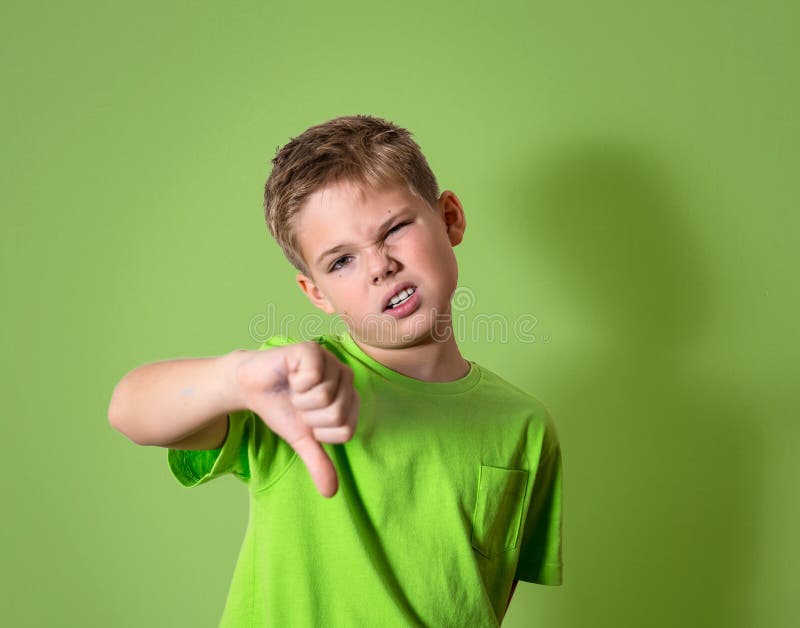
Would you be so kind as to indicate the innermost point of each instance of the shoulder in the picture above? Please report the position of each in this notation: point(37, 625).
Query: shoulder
point(494, 384)
point(516, 401)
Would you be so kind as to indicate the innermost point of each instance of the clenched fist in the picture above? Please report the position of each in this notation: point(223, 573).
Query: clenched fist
point(305, 395)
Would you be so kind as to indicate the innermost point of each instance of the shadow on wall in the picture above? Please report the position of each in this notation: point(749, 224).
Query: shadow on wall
point(662, 467)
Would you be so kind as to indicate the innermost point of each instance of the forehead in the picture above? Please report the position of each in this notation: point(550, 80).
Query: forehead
point(347, 212)
point(342, 197)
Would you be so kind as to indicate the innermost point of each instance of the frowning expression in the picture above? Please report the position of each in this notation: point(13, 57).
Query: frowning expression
point(382, 259)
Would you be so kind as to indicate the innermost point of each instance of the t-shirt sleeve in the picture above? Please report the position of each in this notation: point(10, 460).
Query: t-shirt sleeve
point(197, 466)
point(251, 452)
point(540, 558)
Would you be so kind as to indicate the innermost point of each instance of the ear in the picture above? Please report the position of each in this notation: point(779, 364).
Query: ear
point(314, 294)
point(452, 213)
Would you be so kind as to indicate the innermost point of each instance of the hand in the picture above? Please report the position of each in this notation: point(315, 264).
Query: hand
point(304, 394)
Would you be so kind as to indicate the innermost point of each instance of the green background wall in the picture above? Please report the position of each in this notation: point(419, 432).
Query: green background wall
point(629, 173)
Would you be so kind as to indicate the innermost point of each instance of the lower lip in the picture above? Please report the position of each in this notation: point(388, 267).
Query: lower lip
point(406, 307)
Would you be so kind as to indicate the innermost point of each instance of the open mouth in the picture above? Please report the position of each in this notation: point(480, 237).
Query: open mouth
point(401, 297)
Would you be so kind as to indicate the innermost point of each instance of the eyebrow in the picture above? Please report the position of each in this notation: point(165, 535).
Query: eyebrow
point(339, 247)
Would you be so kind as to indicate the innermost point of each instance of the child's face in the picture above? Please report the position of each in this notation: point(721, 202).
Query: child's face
point(389, 239)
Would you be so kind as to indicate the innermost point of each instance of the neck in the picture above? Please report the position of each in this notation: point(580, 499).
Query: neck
point(429, 361)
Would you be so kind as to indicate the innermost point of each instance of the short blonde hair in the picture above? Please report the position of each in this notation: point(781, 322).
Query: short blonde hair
point(360, 149)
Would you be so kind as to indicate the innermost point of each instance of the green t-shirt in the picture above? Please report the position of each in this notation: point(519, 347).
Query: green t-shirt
point(447, 493)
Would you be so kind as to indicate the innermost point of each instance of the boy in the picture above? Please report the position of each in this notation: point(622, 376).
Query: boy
point(443, 481)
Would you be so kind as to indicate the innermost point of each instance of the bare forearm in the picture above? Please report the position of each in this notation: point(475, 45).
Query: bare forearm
point(162, 402)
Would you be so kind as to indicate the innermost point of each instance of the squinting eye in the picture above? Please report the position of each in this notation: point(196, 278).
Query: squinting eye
point(335, 265)
point(398, 226)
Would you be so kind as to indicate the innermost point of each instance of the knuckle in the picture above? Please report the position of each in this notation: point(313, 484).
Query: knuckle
point(337, 422)
point(326, 393)
point(341, 416)
point(329, 418)
point(301, 348)
point(312, 351)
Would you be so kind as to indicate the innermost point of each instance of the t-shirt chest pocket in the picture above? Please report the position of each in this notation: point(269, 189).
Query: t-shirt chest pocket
point(498, 509)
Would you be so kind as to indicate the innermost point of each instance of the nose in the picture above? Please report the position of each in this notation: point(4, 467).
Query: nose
point(381, 266)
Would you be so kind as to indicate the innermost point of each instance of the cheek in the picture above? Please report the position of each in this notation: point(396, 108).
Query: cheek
point(420, 249)
point(347, 296)
point(431, 250)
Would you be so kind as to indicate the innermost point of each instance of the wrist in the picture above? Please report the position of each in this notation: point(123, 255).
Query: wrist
point(233, 391)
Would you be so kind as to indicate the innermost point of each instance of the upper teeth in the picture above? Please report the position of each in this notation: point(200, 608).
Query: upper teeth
point(401, 296)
